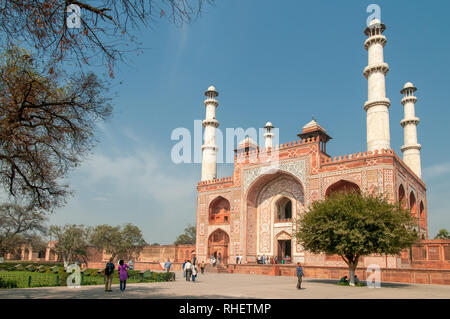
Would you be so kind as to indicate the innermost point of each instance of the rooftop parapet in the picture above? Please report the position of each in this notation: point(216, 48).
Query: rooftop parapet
point(216, 181)
point(277, 148)
point(355, 156)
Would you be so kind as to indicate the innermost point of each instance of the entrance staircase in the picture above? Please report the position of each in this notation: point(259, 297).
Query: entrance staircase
point(219, 268)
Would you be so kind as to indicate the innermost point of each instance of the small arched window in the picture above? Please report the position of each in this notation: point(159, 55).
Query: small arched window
point(283, 209)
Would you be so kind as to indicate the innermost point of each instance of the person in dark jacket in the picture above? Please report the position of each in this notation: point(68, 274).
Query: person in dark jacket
point(299, 275)
point(109, 274)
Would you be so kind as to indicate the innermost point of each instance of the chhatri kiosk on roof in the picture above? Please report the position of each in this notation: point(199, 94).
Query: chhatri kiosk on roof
point(251, 212)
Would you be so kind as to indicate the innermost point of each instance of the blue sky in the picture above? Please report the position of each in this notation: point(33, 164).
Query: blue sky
point(282, 61)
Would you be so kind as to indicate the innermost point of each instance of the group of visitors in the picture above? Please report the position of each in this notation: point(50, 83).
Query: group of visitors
point(265, 260)
point(345, 279)
point(190, 270)
point(109, 274)
point(214, 260)
point(238, 259)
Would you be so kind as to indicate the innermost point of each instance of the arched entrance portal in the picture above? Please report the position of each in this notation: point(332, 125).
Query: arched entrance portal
point(218, 245)
point(273, 200)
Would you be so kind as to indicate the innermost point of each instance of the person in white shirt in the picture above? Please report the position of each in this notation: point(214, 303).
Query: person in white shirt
point(194, 272)
point(188, 270)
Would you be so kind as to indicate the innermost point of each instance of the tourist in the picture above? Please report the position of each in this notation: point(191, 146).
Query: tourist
point(343, 279)
point(194, 260)
point(109, 273)
point(194, 272)
point(220, 258)
point(184, 268)
point(214, 261)
point(131, 264)
point(188, 270)
point(299, 275)
point(123, 274)
point(240, 259)
point(356, 280)
point(167, 265)
point(258, 260)
point(237, 259)
point(202, 267)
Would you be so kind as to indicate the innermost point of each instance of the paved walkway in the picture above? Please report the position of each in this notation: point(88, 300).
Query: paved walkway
point(236, 286)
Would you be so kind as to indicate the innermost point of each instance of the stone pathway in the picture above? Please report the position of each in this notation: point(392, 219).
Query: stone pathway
point(236, 286)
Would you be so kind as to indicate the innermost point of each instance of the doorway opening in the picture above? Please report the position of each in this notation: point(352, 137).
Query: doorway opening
point(284, 249)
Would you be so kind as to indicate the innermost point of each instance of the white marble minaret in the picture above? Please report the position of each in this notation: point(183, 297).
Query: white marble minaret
point(377, 105)
point(209, 147)
point(410, 148)
point(268, 135)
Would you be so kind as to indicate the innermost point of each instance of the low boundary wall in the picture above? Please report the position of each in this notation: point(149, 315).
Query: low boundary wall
point(401, 275)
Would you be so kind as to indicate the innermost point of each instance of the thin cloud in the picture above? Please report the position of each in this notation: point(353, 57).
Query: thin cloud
point(437, 170)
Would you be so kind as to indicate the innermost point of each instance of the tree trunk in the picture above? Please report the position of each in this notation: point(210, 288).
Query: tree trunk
point(352, 269)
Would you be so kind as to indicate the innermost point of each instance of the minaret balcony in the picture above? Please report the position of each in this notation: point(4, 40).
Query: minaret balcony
point(413, 120)
point(212, 122)
point(411, 147)
point(383, 67)
point(407, 99)
point(375, 39)
point(211, 101)
point(386, 102)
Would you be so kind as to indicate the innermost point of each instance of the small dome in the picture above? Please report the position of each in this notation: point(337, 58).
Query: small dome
point(247, 140)
point(408, 85)
point(268, 124)
point(211, 92)
point(374, 21)
point(311, 124)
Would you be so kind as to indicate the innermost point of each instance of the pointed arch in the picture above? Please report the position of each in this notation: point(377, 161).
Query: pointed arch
point(219, 211)
point(422, 213)
point(342, 186)
point(412, 204)
point(259, 209)
point(283, 209)
point(402, 196)
point(218, 245)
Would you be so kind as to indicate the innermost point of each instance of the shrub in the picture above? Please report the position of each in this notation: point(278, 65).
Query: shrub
point(8, 283)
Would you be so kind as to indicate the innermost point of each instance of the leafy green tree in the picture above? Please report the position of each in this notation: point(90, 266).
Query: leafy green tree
point(188, 237)
point(442, 234)
point(71, 241)
point(120, 241)
point(352, 225)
